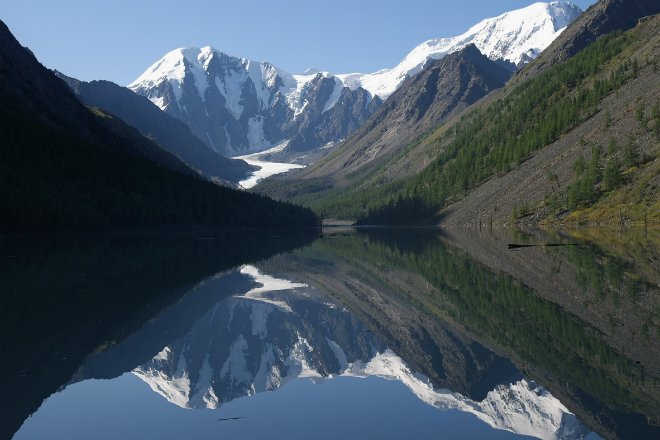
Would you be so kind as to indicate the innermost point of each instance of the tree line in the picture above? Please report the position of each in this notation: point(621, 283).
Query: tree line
point(53, 181)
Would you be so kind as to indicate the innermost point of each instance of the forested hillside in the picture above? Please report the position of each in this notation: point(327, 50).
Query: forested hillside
point(529, 123)
point(53, 181)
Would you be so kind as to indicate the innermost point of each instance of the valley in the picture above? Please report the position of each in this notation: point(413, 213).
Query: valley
point(462, 243)
point(511, 157)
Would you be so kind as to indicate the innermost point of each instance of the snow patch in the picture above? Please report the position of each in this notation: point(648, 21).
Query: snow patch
point(267, 168)
point(231, 90)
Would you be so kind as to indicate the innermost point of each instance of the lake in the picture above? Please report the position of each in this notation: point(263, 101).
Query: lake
point(335, 333)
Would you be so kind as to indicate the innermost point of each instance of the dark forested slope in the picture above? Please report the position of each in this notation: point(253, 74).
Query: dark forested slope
point(152, 122)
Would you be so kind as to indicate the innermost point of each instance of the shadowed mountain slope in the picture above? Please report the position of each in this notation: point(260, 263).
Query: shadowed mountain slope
point(152, 122)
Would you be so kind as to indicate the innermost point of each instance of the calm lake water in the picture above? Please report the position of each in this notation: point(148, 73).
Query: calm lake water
point(341, 333)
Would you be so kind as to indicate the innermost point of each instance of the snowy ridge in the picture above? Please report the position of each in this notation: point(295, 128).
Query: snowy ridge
point(238, 80)
point(238, 106)
point(516, 37)
point(277, 332)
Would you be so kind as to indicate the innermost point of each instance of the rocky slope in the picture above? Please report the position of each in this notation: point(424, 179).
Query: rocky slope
point(443, 89)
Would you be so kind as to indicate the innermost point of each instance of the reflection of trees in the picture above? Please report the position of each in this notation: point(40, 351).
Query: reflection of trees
point(499, 309)
point(64, 297)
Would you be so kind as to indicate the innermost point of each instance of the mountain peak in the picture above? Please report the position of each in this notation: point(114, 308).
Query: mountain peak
point(311, 71)
point(601, 18)
point(513, 38)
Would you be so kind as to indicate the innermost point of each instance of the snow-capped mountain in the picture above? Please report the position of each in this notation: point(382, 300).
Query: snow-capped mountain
point(270, 336)
point(514, 38)
point(237, 106)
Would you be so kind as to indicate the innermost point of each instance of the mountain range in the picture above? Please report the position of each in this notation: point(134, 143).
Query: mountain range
point(237, 106)
point(269, 335)
point(514, 152)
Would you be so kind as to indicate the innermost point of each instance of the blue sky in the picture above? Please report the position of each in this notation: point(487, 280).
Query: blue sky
point(118, 40)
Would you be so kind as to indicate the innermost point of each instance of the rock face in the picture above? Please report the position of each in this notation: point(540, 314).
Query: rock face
point(603, 17)
point(444, 88)
point(169, 132)
point(237, 106)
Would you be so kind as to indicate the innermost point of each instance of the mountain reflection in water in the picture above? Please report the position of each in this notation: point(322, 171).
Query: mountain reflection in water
point(409, 306)
point(283, 331)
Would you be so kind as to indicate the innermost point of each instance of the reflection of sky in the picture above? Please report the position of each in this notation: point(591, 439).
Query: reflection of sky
point(344, 408)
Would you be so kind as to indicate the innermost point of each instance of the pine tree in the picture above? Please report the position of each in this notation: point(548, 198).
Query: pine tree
point(612, 174)
point(608, 118)
point(630, 151)
point(612, 147)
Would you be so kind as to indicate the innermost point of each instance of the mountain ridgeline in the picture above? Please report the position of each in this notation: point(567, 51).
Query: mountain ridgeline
point(237, 106)
point(169, 132)
point(67, 167)
point(519, 154)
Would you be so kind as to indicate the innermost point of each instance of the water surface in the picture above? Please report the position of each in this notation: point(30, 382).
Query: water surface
point(346, 333)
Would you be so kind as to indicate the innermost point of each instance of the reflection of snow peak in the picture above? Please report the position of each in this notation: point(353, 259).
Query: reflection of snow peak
point(283, 330)
point(523, 407)
point(268, 285)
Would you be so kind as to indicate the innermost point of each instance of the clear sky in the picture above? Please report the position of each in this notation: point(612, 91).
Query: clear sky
point(118, 40)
